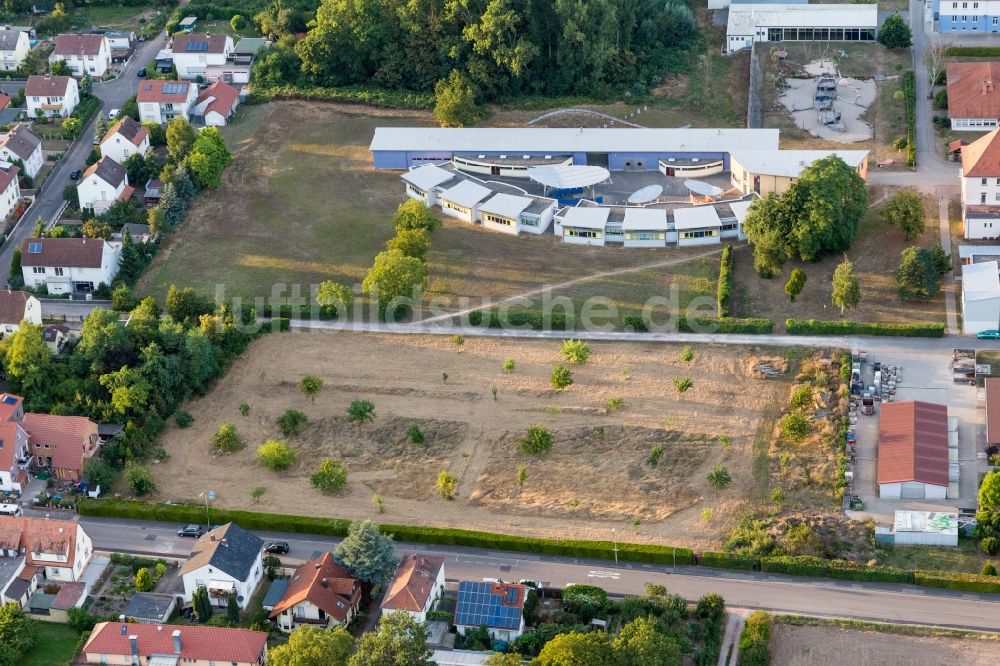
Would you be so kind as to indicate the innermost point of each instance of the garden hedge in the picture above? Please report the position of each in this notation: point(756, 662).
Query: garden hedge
point(195, 513)
point(724, 291)
point(908, 84)
point(725, 325)
point(820, 327)
point(727, 561)
point(973, 51)
point(367, 95)
point(965, 582)
point(755, 641)
point(839, 569)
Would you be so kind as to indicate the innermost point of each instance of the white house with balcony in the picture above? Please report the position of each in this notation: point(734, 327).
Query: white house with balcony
point(321, 594)
point(14, 48)
point(69, 265)
point(226, 561)
point(103, 183)
point(201, 55)
point(60, 549)
point(83, 54)
point(422, 183)
point(52, 96)
point(124, 139)
point(162, 101)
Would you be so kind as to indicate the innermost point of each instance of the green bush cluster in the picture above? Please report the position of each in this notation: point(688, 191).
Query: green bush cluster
point(726, 325)
point(755, 642)
point(908, 84)
point(727, 561)
point(193, 513)
point(819, 327)
point(724, 291)
point(840, 569)
point(367, 95)
point(973, 51)
point(965, 582)
point(531, 319)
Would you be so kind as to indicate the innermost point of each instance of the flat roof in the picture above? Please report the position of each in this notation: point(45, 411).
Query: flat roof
point(506, 205)
point(745, 19)
point(791, 163)
point(929, 522)
point(740, 209)
point(698, 217)
point(466, 194)
point(981, 282)
point(973, 251)
point(586, 218)
point(645, 219)
point(427, 177)
point(556, 141)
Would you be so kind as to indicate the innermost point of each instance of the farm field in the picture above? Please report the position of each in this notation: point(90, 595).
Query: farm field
point(301, 204)
point(831, 646)
point(875, 254)
point(597, 475)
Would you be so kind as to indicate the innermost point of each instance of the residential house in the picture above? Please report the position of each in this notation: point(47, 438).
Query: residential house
point(162, 101)
point(974, 95)
point(512, 214)
point(497, 606)
point(980, 180)
point(462, 201)
point(61, 444)
point(128, 644)
point(83, 54)
point(422, 182)
point(53, 96)
point(124, 139)
point(56, 336)
point(913, 450)
point(20, 143)
point(16, 307)
point(966, 16)
point(10, 189)
point(980, 297)
point(227, 561)
point(121, 45)
point(59, 549)
point(139, 233)
point(201, 55)
point(103, 183)
point(645, 227)
point(240, 61)
point(69, 596)
point(14, 48)
point(15, 450)
point(69, 265)
point(17, 581)
point(320, 593)
point(418, 583)
point(216, 104)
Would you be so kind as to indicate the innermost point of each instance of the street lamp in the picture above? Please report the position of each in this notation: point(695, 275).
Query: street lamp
point(614, 539)
point(208, 495)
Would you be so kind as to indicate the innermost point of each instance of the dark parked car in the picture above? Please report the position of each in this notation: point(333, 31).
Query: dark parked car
point(141, 73)
point(75, 175)
point(191, 531)
point(276, 547)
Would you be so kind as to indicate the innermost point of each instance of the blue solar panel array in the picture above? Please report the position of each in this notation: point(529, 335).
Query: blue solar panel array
point(174, 88)
point(197, 46)
point(478, 605)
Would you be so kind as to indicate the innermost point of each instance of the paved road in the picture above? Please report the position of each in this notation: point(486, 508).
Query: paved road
point(113, 95)
point(893, 603)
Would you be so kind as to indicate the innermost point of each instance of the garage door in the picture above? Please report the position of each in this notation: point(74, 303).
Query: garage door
point(912, 490)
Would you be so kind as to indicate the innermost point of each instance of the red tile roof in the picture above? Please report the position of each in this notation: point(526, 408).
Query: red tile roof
point(223, 98)
point(70, 439)
point(40, 535)
point(47, 85)
point(974, 89)
point(127, 193)
point(66, 252)
point(217, 644)
point(129, 129)
point(78, 45)
point(161, 92)
point(4, 101)
point(12, 305)
point(8, 439)
point(68, 595)
point(214, 43)
point(323, 583)
point(413, 583)
point(9, 406)
point(981, 158)
point(913, 443)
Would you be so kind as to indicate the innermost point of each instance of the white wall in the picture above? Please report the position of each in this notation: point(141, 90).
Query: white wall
point(653, 242)
point(211, 577)
point(94, 65)
point(120, 149)
point(11, 60)
point(9, 199)
point(31, 165)
point(459, 213)
point(97, 193)
point(705, 240)
point(980, 316)
point(193, 65)
point(61, 284)
point(68, 101)
point(569, 237)
point(497, 223)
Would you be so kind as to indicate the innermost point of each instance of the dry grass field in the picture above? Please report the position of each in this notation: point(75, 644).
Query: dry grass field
point(596, 476)
point(832, 646)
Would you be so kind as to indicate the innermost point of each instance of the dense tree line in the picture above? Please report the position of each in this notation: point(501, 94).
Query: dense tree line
point(504, 47)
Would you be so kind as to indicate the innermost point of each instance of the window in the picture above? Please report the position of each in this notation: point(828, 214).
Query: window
point(982, 181)
point(982, 197)
point(707, 233)
point(58, 270)
point(583, 233)
point(497, 220)
point(995, 22)
point(38, 270)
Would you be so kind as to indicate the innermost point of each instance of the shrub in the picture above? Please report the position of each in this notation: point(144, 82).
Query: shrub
point(575, 596)
point(446, 484)
point(634, 324)
point(654, 455)
point(226, 439)
point(561, 377)
point(990, 545)
point(989, 569)
point(275, 455)
point(973, 51)
point(575, 351)
point(719, 477)
point(329, 477)
point(687, 354)
point(536, 440)
point(683, 384)
point(416, 435)
point(311, 385)
point(817, 327)
point(183, 418)
point(725, 325)
point(291, 422)
point(615, 403)
point(244, 409)
point(727, 561)
point(964, 582)
point(361, 412)
point(755, 643)
point(795, 426)
point(827, 568)
point(509, 365)
point(139, 479)
point(724, 291)
point(143, 581)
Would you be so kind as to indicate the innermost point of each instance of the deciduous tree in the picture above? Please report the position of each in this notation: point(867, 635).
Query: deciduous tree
point(796, 282)
point(895, 33)
point(393, 277)
point(398, 640)
point(180, 138)
point(919, 273)
point(360, 412)
point(313, 646)
point(411, 242)
point(905, 209)
point(335, 298)
point(455, 101)
point(412, 214)
point(846, 293)
point(311, 385)
point(329, 477)
point(275, 455)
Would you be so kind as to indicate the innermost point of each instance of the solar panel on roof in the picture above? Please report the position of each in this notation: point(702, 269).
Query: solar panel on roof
point(9, 400)
point(197, 46)
point(510, 596)
point(34, 248)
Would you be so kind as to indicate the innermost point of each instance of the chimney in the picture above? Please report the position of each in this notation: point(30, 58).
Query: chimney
point(177, 641)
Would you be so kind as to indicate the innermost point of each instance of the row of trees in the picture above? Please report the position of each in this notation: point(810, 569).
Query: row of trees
point(401, 270)
point(504, 47)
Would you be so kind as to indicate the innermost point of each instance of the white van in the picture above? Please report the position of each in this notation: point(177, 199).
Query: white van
point(10, 510)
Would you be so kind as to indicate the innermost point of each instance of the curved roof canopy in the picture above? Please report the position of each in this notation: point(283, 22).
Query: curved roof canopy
point(703, 188)
point(646, 194)
point(570, 176)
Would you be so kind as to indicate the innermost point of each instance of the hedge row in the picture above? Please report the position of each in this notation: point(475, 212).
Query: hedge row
point(819, 327)
point(908, 84)
point(194, 513)
point(973, 51)
point(724, 325)
point(755, 641)
point(368, 95)
point(727, 561)
point(839, 569)
point(724, 291)
point(965, 582)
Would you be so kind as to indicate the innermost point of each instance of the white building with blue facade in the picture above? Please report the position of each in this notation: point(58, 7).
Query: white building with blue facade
point(969, 16)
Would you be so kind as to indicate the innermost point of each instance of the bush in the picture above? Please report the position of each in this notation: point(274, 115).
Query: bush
point(446, 484)
point(367, 95)
point(536, 440)
point(291, 422)
point(275, 455)
point(839, 569)
point(727, 561)
point(719, 477)
point(795, 426)
point(973, 51)
point(183, 418)
point(561, 377)
point(989, 569)
point(139, 479)
point(819, 327)
point(330, 477)
point(575, 351)
point(336, 527)
point(908, 84)
point(725, 325)
point(416, 435)
point(755, 643)
point(990, 545)
point(724, 291)
point(965, 582)
point(227, 440)
point(941, 99)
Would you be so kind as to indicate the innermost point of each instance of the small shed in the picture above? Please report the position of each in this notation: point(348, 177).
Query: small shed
point(925, 528)
point(150, 608)
point(188, 23)
point(275, 593)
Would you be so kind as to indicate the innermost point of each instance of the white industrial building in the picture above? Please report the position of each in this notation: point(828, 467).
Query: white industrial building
point(980, 297)
point(512, 214)
point(797, 22)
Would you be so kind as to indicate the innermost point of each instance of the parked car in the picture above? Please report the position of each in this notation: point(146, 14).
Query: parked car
point(276, 547)
point(141, 73)
point(988, 335)
point(113, 113)
point(191, 531)
point(75, 175)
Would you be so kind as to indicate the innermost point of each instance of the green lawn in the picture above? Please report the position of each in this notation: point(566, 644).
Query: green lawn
point(108, 16)
point(55, 646)
point(966, 558)
point(224, 27)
